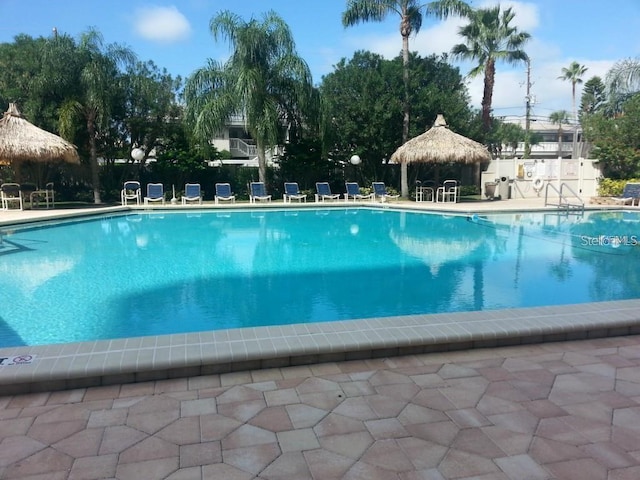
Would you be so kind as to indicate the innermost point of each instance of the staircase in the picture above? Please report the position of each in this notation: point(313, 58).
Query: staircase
point(240, 148)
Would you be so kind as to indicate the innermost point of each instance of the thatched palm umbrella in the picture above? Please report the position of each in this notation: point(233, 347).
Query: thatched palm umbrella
point(435, 252)
point(440, 145)
point(22, 141)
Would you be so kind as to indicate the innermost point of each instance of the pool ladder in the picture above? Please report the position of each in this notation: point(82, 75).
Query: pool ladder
point(567, 202)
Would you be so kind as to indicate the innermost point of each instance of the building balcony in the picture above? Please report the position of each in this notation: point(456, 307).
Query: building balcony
point(540, 150)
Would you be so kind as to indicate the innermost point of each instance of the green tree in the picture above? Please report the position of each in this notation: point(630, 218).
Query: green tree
point(362, 113)
point(411, 15)
point(490, 37)
point(20, 67)
point(303, 162)
point(264, 79)
point(616, 140)
point(362, 108)
point(507, 134)
point(559, 118)
point(573, 74)
point(39, 74)
point(593, 97)
point(150, 105)
point(100, 85)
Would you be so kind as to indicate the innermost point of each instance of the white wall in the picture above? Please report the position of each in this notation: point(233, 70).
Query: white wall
point(580, 174)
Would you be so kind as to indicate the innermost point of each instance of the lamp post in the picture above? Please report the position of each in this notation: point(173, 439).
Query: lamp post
point(355, 160)
point(137, 154)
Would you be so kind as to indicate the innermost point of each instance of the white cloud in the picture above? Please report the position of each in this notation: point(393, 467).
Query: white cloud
point(527, 17)
point(161, 24)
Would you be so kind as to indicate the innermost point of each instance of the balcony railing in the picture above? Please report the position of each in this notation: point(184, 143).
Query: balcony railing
point(542, 148)
point(240, 148)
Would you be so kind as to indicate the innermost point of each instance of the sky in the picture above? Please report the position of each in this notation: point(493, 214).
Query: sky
point(175, 35)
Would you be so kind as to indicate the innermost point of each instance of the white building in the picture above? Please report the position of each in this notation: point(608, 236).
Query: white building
point(550, 140)
point(235, 139)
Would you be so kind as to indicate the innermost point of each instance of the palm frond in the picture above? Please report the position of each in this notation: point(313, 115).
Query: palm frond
point(362, 11)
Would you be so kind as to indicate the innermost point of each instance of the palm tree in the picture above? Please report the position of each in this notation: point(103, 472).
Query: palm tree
point(573, 74)
point(98, 88)
point(264, 80)
point(489, 38)
point(622, 81)
point(558, 118)
point(410, 13)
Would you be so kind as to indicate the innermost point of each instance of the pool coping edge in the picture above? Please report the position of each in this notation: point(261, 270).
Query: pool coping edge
point(82, 364)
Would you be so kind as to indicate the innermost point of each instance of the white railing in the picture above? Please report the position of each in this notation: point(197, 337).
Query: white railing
point(239, 147)
point(546, 148)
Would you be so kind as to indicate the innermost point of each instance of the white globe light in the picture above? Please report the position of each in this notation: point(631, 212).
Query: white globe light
point(355, 160)
point(137, 154)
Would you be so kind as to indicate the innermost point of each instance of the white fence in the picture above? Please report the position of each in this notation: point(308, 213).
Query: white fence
point(528, 177)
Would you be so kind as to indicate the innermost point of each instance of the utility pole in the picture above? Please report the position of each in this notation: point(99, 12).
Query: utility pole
point(527, 121)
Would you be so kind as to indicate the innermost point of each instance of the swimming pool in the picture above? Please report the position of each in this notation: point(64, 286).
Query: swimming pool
point(152, 273)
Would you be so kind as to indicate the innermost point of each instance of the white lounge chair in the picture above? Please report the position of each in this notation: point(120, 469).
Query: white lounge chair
point(323, 192)
point(257, 192)
point(353, 192)
point(192, 193)
point(223, 193)
point(630, 195)
point(155, 193)
point(380, 191)
point(292, 192)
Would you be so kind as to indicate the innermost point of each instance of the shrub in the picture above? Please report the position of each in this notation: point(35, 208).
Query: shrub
point(613, 188)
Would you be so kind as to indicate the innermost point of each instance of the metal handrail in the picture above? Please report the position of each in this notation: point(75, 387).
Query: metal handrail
point(563, 200)
point(575, 195)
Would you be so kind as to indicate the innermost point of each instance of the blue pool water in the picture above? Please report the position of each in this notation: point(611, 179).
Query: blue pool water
point(168, 272)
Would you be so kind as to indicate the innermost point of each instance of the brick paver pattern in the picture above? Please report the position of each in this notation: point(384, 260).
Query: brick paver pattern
point(563, 411)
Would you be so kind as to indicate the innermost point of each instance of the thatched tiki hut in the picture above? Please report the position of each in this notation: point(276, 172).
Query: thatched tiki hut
point(439, 145)
point(22, 141)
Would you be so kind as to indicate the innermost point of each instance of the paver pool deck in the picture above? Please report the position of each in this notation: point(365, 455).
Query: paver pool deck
point(567, 409)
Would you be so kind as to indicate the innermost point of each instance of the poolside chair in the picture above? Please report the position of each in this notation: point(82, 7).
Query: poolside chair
point(425, 191)
point(630, 195)
point(10, 193)
point(380, 191)
point(223, 193)
point(257, 191)
point(130, 191)
point(353, 191)
point(26, 189)
point(192, 193)
point(448, 192)
point(292, 192)
point(323, 192)
point(46, 195)
point(155, 193)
